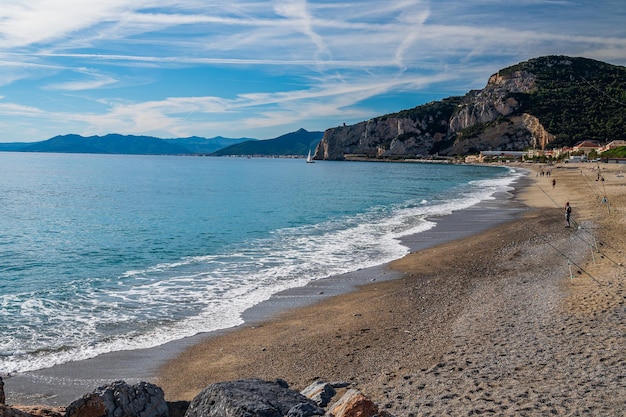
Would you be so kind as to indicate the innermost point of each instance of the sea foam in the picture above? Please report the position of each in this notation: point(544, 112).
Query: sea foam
point(147, 305)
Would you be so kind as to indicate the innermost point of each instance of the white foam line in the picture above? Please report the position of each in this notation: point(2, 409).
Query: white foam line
point(297, 256)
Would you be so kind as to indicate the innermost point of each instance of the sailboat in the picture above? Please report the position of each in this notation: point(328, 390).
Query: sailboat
point(309, 160)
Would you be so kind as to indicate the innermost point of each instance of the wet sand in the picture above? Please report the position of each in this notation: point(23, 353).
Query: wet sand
point(526, 318)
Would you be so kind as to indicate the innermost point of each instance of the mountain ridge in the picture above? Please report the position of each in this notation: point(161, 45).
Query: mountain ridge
point(541, 103)
point(149, 145)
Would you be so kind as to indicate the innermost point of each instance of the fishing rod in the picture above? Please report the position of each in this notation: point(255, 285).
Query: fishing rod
point(569, 261)
point(577, 226)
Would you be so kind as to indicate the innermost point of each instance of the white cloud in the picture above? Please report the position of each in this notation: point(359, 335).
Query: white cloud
point(34, 21)
point(12, 109)
point(343, 53)
point(93, 80)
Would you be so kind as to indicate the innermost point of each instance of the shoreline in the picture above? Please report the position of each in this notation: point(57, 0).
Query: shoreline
point(61, 384)
point(524, 318)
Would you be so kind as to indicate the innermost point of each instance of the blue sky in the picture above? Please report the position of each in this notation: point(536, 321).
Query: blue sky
point(246, 68)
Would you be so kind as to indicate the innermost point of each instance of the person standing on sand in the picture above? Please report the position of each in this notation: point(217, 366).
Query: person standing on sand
point(568, 212)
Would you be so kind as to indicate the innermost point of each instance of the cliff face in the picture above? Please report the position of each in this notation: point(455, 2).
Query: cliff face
point(412, 132)
point(377, 138)
point(514, 133)
point(440, 126)
point(512, 112)
point(493, 101)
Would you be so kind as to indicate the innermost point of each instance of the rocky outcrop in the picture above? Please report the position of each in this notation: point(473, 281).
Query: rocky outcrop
point(121, 400)
point(354, 404)
point(541, 137)
point(241, 398)
point(376, 138)
point(412, 133)
point(250, 398)
point(493, 101)
point(485, 119)
point(510, 134)
point(258, 398)
point(321, 392)
point(495, 111)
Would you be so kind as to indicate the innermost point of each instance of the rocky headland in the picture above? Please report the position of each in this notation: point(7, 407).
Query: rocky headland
point(534, 104)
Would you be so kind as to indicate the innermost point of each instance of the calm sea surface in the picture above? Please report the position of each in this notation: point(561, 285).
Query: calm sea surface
point(100, 253)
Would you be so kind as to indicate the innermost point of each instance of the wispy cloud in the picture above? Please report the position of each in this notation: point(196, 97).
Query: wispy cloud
point(297, 13)
point(300, 60)
point(92, 80)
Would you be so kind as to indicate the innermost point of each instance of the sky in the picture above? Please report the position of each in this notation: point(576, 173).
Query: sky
point(260, 69)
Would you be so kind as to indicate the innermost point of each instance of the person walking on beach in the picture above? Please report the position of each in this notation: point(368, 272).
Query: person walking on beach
point(568, 213)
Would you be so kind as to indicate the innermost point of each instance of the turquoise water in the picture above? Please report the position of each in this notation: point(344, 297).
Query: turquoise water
point(106, 252)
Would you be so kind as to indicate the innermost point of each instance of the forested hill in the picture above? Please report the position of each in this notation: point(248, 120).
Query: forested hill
point(576, 98)
point(545, 102)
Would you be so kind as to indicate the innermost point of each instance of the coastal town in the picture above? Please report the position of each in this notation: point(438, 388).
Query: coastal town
point(585, 151)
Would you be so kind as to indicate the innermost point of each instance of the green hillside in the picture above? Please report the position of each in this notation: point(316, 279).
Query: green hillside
point(615, 153)
point(581, 100)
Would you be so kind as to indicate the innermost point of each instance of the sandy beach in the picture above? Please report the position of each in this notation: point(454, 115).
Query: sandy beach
point(527, 318)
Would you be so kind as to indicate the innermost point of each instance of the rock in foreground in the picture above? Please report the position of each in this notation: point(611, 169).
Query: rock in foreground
point(250, 398)
point(241, 398)
point(121, 400)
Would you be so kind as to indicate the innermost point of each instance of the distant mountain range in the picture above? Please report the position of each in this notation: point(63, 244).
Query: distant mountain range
point(295, 143)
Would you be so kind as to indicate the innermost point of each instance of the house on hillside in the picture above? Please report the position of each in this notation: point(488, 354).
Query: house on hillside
point(586, 146)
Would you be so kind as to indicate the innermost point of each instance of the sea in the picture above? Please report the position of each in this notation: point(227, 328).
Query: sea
point(104, 253)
